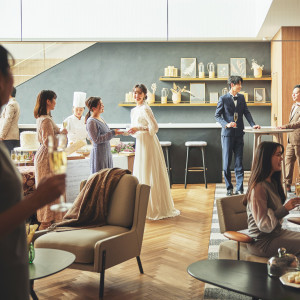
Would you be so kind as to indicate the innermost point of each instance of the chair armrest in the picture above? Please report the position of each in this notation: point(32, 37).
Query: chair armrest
point(118, 248)
point(238, 237)
point(39, 233)
point(294, 220)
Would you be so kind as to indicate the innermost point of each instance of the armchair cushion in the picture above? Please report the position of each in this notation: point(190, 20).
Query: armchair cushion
point(121, 207)
point(80, 242)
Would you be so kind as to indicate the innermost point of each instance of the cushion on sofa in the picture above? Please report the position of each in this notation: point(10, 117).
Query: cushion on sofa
point(80, 242)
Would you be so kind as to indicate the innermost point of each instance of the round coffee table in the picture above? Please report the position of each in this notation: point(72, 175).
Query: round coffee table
point(48, 262)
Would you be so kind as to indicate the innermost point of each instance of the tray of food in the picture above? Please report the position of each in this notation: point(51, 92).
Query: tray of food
point(291, 279)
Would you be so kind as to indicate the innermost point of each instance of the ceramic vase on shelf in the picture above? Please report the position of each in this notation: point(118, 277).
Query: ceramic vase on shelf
point(257, 69)
point(150, 98)
point(176, 97)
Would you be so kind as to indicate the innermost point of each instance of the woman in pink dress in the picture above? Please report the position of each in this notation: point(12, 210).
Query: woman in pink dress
point(45, 102)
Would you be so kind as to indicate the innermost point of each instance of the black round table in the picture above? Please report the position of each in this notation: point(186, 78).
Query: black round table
point(48, 262)
point(244, 277)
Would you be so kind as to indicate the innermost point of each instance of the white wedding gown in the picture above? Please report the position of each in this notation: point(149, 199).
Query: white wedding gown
point(149, 164)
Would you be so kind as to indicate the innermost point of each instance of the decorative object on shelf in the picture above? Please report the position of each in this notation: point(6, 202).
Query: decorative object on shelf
point(245, 95)
point(224, 91)
point(129, 97)
point(238, 67)
point(176, 93)
point(164, 95)
point(257, 69)
point(259, 95)
point(151, 96)
point(171, 71)
point(211, 70)
point(223, 70)
point(201, 70)
point(213, 97)
point(188, 67)
point(197, 91)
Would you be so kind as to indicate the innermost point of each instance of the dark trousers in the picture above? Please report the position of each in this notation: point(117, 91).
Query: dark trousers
point(11, 144)
point(233, 145)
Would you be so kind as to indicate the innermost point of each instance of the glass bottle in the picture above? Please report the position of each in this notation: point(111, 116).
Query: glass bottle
point(31, 253)
point(201, 70)
point(211, 70)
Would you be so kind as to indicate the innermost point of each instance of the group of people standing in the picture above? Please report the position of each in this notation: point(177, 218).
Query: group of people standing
point(149, 164)
point(265, 198)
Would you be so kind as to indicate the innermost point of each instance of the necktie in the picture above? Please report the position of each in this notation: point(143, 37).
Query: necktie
point(235, 100)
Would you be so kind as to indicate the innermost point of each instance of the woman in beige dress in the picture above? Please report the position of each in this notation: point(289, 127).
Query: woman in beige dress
point(45, 102)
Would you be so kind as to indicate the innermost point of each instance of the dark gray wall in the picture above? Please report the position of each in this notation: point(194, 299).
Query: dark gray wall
point(110, 70)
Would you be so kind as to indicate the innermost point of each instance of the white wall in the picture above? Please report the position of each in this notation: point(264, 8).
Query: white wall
point(10, 20)
point(94, 20)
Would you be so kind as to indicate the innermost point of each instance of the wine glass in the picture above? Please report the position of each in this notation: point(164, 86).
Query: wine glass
point(58, 165)
point(65, 124)
point(235, 117)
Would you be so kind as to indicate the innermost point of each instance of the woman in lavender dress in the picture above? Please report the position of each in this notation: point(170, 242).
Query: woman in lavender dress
point(100, 134)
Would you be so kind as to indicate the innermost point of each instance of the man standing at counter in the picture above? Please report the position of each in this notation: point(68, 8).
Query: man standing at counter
point(293, 146)
point(229, 113)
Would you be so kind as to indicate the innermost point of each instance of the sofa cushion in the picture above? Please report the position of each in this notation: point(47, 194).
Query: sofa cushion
point(121, 209)
point(80, 242)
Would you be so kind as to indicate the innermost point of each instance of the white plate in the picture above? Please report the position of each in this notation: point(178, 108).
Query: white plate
point(284, 280)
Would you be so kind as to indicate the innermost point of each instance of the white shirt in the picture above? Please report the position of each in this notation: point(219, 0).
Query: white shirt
point(234, 101)
point(76, 129)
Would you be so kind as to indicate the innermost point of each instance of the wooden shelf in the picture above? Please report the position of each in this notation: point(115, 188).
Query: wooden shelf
point(162, 78)
point(193, 104)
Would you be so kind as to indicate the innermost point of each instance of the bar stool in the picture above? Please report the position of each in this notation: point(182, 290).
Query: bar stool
point(165, 145)
point(195, 144)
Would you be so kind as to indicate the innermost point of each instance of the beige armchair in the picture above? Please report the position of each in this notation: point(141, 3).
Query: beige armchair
point(232, 218)
point(100, 248)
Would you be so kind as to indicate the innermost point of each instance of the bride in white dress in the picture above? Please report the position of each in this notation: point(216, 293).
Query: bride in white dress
point(149, 164)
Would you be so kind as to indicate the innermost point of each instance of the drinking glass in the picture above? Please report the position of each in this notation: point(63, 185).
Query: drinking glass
point(13, 155)
point(58, 165)
point(65, 124)
point(297, 187)
point(235, 118)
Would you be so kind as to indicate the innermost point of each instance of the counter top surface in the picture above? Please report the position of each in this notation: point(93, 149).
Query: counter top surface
point(160, 125)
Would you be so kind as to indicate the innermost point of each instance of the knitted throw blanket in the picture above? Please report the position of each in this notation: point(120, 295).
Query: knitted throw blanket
point(90, 208)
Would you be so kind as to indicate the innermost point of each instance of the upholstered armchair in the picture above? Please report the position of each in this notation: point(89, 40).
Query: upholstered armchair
point(233, 218)
point(100, 248)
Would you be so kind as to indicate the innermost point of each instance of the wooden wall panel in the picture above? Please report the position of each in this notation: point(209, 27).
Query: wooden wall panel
point(285, 62)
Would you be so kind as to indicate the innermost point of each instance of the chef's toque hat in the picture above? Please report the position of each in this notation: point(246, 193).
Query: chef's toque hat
point(79, 99)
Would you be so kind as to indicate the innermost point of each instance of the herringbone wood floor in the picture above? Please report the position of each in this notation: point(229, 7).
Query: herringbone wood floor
point(169, 246)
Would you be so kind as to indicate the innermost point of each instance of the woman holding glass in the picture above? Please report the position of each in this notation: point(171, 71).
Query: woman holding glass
point(100, 134)
point(149, 163)
point(266, 206)
point(46, 127)
point(14, 210)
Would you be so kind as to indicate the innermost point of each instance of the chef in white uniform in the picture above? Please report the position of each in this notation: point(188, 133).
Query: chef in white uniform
point(75, 123)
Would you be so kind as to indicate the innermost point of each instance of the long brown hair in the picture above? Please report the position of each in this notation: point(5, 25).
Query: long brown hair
point(142, 87)
point(40, 108)
point(262, 167)
point(90, 103)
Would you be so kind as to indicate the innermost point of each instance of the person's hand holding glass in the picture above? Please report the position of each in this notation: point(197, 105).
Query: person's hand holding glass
point(58, 165)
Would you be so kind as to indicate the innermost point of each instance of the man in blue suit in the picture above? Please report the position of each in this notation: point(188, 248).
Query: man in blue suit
point(232, 134)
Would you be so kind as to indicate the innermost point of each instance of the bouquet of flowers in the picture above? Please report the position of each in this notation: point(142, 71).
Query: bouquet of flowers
point(121, 147)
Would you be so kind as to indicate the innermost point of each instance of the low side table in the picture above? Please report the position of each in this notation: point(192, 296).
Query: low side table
point(244, 277)
point(48, 262)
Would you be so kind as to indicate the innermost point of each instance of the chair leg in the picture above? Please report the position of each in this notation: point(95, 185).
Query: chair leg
point(238, 250)
point(168, 164)
point(186, 165)
point(140, 264)
point(204, 168)
point(101, 288)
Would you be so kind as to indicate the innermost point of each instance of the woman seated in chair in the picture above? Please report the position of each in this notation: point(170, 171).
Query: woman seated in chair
point(266, 206)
